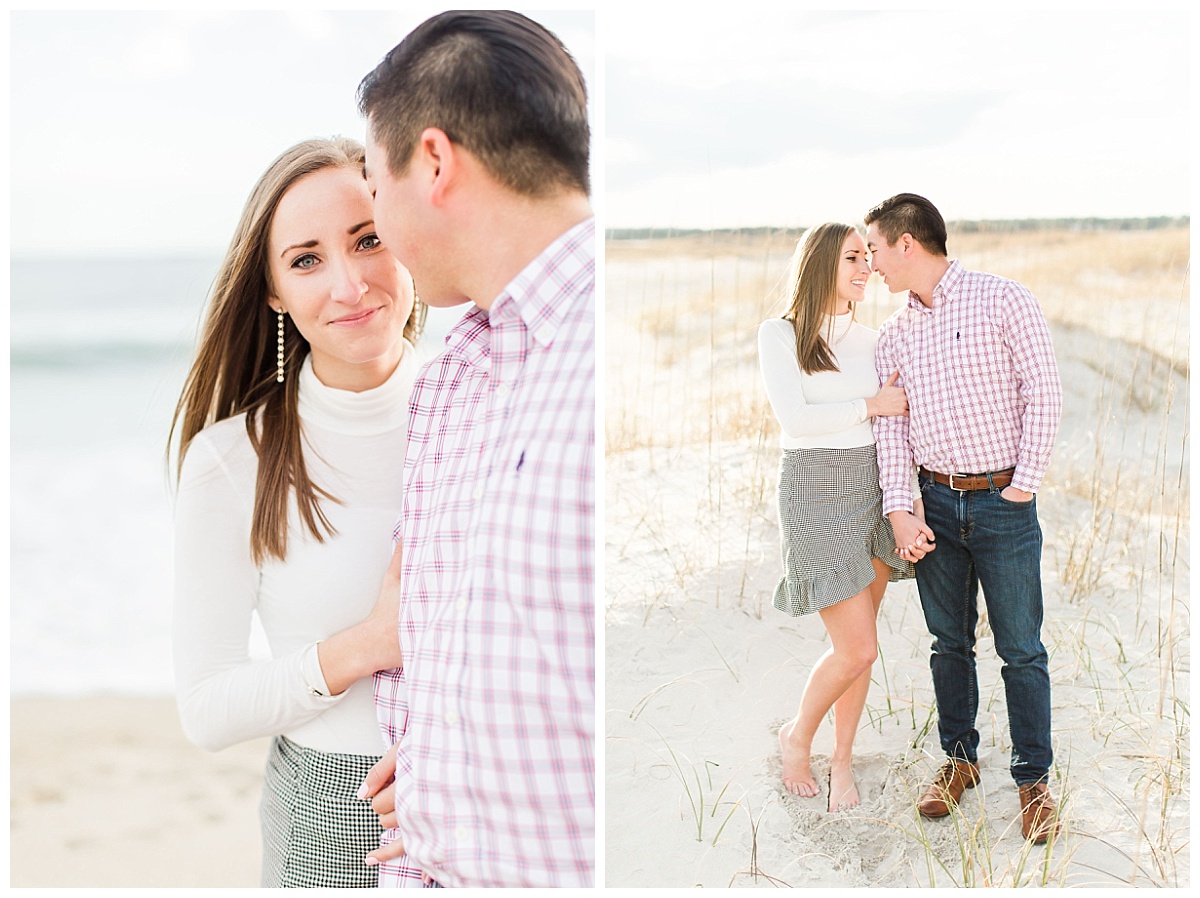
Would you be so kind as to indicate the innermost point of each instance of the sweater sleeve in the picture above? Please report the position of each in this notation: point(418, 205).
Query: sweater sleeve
point(785, 389)
point(224, 697)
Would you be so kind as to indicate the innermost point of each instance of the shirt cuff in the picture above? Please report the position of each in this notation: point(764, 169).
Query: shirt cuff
point(898, 500)
point(310, 672)
point(1026, 480)
point(861, 406)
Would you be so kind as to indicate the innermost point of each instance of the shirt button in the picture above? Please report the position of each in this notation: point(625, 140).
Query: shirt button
point(478, 494)
point(451, 718)
point(503, 390)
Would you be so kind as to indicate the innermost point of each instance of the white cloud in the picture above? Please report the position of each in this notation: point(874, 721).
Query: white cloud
point(756, 118)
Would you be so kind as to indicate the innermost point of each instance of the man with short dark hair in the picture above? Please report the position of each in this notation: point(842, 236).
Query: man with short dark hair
point(477, 156)
point(975, 358)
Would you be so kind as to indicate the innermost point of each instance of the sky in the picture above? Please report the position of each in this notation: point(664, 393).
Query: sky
point(142, 133)
point(137, 133)
point(790, 118)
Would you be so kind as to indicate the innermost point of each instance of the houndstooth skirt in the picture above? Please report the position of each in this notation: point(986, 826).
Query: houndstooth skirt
point(831, 525)
point(316, 832)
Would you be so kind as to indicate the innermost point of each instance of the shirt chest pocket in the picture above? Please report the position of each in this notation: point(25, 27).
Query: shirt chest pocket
point(976, 354)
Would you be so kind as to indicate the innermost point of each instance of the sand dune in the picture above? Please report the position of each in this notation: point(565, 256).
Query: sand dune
point(701, 670)
point(695, 694)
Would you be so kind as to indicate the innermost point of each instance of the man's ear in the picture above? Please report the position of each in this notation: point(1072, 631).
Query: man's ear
point(439, 163)
point(906, 242)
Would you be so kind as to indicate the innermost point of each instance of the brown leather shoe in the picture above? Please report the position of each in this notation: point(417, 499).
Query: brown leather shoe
point(945, 791)
point(1039, 820)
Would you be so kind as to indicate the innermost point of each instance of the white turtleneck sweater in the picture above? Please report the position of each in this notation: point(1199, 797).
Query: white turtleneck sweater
point(354, 448)
point(827, 410)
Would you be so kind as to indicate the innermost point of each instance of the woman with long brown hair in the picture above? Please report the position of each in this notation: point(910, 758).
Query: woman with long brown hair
point(818, 365)
point(292, 429)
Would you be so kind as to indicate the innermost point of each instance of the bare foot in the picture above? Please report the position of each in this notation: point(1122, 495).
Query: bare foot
point(843, 793)
point(797, 774)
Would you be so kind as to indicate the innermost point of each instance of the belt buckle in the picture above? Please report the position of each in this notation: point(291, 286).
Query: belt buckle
point(955, 488)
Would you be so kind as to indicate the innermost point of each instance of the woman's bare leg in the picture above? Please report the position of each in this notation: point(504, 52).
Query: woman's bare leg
point(847, 712)
point(851, 627)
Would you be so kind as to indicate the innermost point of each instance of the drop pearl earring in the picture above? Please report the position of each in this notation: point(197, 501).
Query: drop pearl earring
point(279, 355)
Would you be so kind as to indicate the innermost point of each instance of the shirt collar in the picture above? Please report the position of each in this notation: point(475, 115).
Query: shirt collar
point(537, 293)
point(471, 338)
point(943, 292)
point(560, 271)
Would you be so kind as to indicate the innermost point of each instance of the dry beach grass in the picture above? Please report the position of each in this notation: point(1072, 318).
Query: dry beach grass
point(701, 671)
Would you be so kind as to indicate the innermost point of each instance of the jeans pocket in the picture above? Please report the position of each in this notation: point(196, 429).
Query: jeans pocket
point(1013, 503)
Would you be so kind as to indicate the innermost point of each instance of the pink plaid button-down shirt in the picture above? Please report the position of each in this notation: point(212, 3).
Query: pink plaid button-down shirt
point(495, 708)
point(982, 384)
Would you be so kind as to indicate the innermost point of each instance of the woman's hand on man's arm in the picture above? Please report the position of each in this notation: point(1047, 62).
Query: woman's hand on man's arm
point(891, 401)
point(373, 644)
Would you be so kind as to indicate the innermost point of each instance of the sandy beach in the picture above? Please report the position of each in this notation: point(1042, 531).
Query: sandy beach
point(701, 671)
point(107, 792)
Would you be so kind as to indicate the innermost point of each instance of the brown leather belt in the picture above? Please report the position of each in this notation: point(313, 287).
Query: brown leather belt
point(963, 482)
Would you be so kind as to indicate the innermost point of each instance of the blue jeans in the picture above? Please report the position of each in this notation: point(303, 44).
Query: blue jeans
point(985, 540)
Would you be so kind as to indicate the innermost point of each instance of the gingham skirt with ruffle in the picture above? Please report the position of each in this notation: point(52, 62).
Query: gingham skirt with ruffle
point(831, 525)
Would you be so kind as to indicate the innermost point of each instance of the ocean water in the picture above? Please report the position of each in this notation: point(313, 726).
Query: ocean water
point(98, 353)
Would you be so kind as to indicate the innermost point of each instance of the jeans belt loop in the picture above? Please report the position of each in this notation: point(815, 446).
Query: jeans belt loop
point(991, 483)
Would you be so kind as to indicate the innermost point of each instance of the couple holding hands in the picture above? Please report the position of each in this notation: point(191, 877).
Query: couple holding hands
point(916, 450)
